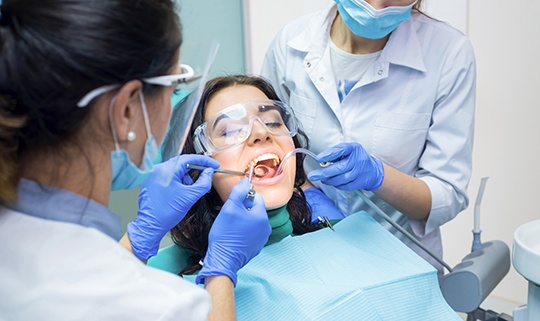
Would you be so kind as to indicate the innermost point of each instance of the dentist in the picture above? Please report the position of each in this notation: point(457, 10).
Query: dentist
point(85, 100)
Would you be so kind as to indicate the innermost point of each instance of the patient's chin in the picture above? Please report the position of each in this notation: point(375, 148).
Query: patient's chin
point(275, 207)
point(276, 199)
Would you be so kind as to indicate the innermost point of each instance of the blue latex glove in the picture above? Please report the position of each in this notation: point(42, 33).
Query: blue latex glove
point(352, 168)
point(236, 236)
point(162, 207)
point(321, 205)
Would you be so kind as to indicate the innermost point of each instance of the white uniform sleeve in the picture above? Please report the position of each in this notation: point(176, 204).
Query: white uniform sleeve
point(446, 163)
point(63, 271)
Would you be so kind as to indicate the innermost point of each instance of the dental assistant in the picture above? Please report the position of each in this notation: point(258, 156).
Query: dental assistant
point(387, 94)
point(85, 100)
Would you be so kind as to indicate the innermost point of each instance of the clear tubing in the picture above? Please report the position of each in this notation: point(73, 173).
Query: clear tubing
point(295, 151)
point(398, 227)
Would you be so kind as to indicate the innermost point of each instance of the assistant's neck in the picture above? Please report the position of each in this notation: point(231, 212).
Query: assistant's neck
point(347, 41)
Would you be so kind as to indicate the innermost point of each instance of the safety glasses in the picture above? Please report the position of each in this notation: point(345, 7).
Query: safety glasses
point(185, 77)
point(233, 125)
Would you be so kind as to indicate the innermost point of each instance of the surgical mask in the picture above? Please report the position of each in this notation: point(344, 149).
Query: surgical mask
point(367, 22)
point(125, 174)
point(233, 125)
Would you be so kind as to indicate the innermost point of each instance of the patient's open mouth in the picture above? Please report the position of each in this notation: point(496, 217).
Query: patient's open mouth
point(265, 165)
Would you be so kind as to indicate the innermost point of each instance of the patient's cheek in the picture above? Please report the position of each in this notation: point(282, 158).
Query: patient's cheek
point(223, 185)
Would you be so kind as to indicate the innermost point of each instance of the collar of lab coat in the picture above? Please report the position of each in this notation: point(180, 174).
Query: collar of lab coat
point(403, 47)
point(60, 205)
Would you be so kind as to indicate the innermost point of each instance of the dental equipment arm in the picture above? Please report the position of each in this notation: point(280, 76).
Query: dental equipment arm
point(398, 227)
point(477, 243)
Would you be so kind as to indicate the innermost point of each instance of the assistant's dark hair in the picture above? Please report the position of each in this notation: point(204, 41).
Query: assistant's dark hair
point(192, 232)
point(53, 52)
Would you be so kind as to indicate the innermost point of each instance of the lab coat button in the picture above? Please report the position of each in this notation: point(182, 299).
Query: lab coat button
point(308, 64)
point(380, 72)
point(321, 79)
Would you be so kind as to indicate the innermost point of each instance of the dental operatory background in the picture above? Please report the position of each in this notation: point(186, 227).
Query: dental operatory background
point(505, 38)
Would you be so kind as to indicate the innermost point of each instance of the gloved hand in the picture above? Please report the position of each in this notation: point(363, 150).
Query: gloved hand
point(236, 236)
point(162, 207)
point(352, 168)
point(321, 205)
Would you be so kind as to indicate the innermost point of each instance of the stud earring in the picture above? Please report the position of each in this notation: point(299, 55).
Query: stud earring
point(131, 136)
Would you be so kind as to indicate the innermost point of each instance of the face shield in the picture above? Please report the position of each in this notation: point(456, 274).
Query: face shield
point(182, 116)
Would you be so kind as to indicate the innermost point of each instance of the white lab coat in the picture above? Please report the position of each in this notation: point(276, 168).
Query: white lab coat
point(413, 109)
point(54, 270)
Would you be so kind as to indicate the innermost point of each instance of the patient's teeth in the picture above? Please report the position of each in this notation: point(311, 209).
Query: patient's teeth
point(263, 157)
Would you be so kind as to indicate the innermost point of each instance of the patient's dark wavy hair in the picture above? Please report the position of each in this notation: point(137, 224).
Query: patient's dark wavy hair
point(192, 232)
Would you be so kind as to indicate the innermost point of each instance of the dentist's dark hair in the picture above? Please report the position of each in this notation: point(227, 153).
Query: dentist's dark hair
point(53, 52)
point(192, 232)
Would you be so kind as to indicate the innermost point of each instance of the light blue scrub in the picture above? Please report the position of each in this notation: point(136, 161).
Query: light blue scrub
point(60, 205)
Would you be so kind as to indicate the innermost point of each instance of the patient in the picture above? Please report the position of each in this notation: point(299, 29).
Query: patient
point(241, 122)
point(360, 271)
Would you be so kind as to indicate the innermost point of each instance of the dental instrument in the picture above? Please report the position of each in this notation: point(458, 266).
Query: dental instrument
point(298, 150)
point(325, 222)
point(216, 170)
point(248, 203)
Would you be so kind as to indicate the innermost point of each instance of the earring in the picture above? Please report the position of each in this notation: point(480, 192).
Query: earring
point(131, 136)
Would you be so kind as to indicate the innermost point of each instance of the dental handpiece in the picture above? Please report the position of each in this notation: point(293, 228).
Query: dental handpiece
point(250, 197)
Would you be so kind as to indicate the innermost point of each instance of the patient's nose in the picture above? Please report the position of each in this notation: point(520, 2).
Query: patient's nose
point(259, 133)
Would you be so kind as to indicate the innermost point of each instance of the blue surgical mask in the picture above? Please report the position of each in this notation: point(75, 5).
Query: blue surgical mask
point(125, 174)
point(367, 22)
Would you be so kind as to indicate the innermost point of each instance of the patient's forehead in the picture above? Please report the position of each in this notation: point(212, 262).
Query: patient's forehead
point(231, 96)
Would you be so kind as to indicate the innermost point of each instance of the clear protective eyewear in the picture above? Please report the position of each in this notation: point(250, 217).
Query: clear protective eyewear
point(177, 80)
point(233, 125)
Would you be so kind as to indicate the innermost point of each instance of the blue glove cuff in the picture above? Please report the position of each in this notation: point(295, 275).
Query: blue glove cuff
point(204, 273)
point(142, 246)
point(321, 205)
point(379, 174)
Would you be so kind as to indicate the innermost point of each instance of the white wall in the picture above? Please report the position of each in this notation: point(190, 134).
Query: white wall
point(507, 46)
point(264, 18)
